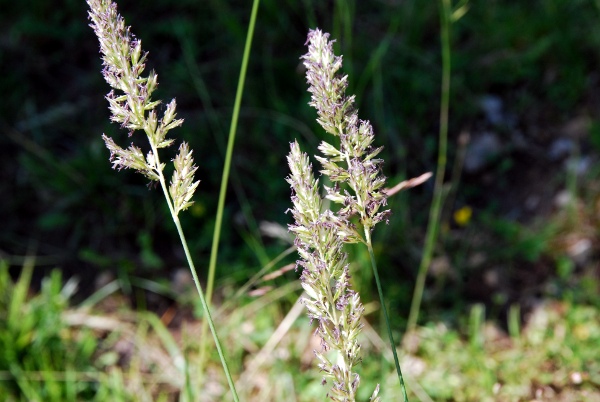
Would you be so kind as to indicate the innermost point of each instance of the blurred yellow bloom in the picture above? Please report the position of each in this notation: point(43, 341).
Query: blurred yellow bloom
point(462, 216)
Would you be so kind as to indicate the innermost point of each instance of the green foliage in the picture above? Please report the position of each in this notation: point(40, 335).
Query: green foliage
point(518, 240)
point(555, 353)
point(41, 357)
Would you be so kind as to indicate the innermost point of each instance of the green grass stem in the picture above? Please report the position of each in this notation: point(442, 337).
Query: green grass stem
point(436, 205)
point(192, 267)
point(385, 315)
point(212, 267)
point(229, 153)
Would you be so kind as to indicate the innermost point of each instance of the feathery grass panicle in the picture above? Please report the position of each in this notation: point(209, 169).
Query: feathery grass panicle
point(320, 235)
point(131, 105)
point(182, 184)
point(354, 164)
point(325, 278)
point(338, 117)
point(358, 187)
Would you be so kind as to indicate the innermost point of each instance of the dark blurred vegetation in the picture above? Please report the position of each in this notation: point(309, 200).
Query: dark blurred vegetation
point(524, 135)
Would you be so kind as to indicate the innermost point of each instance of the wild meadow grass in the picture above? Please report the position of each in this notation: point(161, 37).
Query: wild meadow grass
point(124, 62)
point(56, 347)
point(326, 274)
point(321, 234)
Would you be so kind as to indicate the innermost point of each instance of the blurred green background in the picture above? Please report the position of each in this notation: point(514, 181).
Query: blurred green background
point(520, 221)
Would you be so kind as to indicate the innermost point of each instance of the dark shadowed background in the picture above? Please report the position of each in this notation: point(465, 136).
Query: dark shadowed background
point(520, 222)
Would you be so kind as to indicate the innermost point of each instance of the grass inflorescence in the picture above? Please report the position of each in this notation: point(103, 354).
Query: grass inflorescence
point(124, 62)
point(320, 235)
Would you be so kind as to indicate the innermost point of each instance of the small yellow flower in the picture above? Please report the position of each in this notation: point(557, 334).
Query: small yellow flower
point(462, 216)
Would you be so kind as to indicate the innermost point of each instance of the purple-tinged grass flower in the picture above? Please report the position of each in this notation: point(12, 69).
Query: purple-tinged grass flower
point(331, 302)
point(355, 162)
point(358, 187)
point(131, 105)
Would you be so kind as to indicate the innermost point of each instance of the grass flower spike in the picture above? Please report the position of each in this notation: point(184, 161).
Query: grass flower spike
point(338, 117)
point(358, 188)
point(325, 278)
point(320, 235)
point(131, 105)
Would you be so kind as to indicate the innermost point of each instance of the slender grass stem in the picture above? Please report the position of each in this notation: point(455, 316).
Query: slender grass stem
point(436, 205)
point(229, 153)
point(206, 309)
point(385, 314)
point(225, 177)
point(192, 267)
